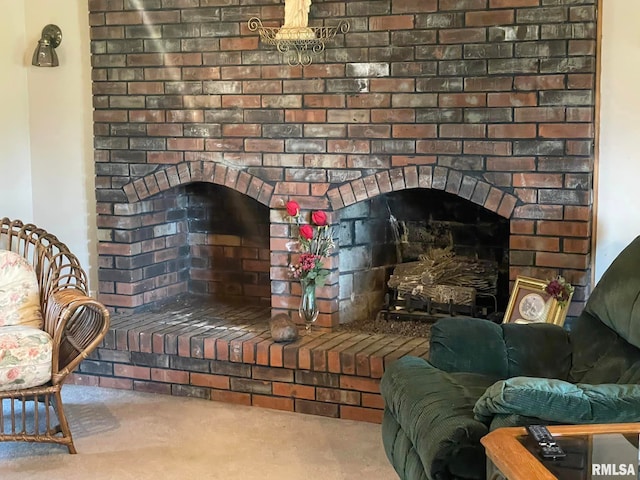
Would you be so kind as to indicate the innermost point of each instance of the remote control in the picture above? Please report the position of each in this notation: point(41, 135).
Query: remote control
point(547, 446)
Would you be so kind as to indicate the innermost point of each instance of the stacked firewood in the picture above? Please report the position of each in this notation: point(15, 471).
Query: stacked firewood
point(442, 276)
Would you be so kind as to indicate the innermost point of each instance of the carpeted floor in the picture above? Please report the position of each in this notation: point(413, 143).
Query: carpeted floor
point(122, 435)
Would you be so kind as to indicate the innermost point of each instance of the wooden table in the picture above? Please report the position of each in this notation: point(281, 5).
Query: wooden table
point(515, 462)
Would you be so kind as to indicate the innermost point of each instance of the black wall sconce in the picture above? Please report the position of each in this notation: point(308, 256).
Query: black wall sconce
point(45, 53)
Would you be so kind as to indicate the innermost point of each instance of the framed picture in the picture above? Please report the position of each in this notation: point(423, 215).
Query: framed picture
point(529, 303)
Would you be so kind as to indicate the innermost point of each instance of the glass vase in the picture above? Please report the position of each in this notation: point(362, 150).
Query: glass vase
point(308, 305)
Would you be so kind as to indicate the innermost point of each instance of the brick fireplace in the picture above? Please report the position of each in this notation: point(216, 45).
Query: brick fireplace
point(202, 134)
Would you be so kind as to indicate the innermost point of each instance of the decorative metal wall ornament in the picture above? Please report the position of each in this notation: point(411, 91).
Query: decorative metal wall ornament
point(298, 45)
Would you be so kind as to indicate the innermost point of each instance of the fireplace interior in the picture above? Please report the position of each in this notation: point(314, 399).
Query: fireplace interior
point(228, 244)
point(378, 234)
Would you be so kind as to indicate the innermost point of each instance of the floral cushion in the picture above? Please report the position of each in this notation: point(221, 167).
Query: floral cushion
point(25, 357)
point(19, 295)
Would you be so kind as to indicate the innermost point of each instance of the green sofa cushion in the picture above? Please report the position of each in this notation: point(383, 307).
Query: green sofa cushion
point(559, 401)
point(463, 344)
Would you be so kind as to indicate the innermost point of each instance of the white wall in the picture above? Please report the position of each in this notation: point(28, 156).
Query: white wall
point(46, 159)
point(15, 155)
point(618, 220)
point(61, 131)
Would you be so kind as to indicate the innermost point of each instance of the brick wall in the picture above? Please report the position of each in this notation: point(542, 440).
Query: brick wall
point(490, 100)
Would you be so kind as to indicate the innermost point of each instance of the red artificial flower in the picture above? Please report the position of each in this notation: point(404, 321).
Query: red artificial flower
point(307, 261)
point(306, 232)
point(293, 208)
point(319, 218)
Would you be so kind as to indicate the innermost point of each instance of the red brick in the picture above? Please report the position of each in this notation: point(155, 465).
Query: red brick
point(511, 164)
point(324, 101)
point(276, 403)
point(361, 414)
point(334, 395)
point(522, 227)
point(372, 400)
point(391, 22)
point(348, 146)
point(294, 390)
point(535, 243)
point(264, 145)
point(580, 81)
point(489, 18)
point(360, 383)
point(462, 100)
point(523, 130)
point(564, 229)
point(220, 382)
point(439, 146)
point(111, 116)
point(567, 130)
point(493, 199)
point(131, 371)
point(545, 180)
point(539, 82)
point(182, 59)
point(231, 397)
point(169, 376)
point(576, 245)
point(241, 101)
point(572, 212)
point(239, 43)
point(488, 147)
point(147, 116)
point(393, 115)
point(414, 131)
point(562, 260)
point(241, 130)
point(369, 100)
point(512, 99)
point(305, 116)
point(185, 144)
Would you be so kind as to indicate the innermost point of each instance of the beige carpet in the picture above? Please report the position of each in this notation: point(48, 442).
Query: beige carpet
point(122, 435)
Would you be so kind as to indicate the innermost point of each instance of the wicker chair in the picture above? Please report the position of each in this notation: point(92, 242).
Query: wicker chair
point(75, 322)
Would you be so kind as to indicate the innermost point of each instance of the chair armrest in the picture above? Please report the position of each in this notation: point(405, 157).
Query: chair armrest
point(464, 344)
point(555, 400)
point(77, 324)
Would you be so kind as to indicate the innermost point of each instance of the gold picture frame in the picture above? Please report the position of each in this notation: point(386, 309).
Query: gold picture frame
point(530, 303)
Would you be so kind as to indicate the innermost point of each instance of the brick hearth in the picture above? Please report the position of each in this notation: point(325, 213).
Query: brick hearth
point(224, 352)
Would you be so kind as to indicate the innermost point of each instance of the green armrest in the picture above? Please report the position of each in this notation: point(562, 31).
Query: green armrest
point(464, 344)
point(559, 401)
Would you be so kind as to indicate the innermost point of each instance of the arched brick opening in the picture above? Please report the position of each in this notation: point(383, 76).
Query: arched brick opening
point(198, 171)
point(194, 228)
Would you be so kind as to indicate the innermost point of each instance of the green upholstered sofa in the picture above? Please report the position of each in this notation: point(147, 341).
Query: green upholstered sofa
point(481, 376)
